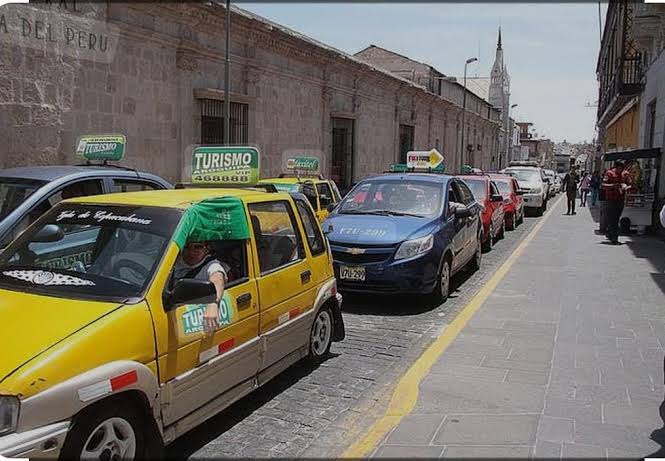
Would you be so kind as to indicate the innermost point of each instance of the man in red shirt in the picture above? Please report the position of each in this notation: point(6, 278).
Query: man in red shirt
point(615, 182)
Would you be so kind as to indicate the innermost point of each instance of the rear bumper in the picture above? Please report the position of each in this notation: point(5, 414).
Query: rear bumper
point(532, 200)
point(43, 442)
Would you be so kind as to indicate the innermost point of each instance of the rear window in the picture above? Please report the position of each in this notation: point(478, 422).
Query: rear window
point(479, 188)
point(15, 191)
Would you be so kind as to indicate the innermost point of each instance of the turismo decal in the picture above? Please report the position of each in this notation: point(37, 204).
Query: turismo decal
point(191, 318)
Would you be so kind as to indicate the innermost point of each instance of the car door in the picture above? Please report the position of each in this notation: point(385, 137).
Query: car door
point(460, 238)
point(195, 367)
point(472, 222)
point(497, 207)
point(326, 198)
point(285, 280)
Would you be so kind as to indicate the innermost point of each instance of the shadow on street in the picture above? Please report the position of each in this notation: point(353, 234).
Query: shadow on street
point(197, 438)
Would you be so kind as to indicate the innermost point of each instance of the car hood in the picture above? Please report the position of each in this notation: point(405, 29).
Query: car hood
point(373, 229)
point(31, 324)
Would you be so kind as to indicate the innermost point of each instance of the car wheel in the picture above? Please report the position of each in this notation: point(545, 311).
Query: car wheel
point(502, 232)
point(442, 288)
point(489, 241)
point(512, 222)
point(320, 338)
point(474, 264)
point(106, 431)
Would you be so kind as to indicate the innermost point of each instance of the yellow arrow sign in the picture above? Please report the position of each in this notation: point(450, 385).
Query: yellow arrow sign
point(424, 159)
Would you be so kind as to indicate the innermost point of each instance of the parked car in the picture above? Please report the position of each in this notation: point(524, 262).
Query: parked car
point(558, 184)
point(513, 203)
point(322, 193)
point(487, 194)
point(108, 355)
point(27, 193)
point(532, 181)
point(404, 233)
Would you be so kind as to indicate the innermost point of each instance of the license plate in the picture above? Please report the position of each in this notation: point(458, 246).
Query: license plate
point(352, 273)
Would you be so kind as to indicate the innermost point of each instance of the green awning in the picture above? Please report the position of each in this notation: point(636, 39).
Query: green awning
point(221, 218)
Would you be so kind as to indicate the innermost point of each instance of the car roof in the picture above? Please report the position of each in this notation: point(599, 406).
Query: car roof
point(427, 177)
point(481, 177)
point(53, 172)
point(173, 198)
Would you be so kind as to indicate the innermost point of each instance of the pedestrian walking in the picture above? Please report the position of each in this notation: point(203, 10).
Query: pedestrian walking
point(585, 187)
point(615, 182)
point(570, 188)
point(594, 183)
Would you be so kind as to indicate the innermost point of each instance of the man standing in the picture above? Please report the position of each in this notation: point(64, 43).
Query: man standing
point(615, 183)
point(570, 187)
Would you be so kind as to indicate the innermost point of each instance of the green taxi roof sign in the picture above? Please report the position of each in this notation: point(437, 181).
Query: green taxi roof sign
point(101, 147)
point(304, 164)
point(229, 166)
point(404, 168)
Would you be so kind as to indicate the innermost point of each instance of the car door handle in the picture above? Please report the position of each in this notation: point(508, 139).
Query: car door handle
point(306, 276)
point(243, 299)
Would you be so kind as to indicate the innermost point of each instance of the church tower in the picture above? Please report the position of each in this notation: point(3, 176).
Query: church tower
point(499, 97)
point(497, 82)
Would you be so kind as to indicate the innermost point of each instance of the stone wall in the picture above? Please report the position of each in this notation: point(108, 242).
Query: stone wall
point(161, 59)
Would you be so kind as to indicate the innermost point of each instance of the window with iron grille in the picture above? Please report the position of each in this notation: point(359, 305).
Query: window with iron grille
point(212, 122)
point(405, 141)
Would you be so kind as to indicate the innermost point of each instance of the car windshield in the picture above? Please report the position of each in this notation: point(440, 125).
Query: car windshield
point(411, 198)
point(14, 191)
point(479, 188)
point(99, 252)
point(524, 175)
point(504, 188)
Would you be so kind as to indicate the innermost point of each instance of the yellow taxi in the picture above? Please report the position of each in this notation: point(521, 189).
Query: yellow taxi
point(105, 351)
point(321, 193)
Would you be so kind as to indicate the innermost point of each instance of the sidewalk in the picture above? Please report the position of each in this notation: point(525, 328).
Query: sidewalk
point(565, 358)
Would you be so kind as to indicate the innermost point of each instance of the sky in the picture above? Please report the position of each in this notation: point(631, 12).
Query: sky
point(550, 49)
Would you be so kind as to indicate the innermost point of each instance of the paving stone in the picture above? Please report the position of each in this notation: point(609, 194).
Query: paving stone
point(415, 429)
point(408, 451)
point(486, 452)
point(552, 429)
point(547, 450)
point(639, 415)
point(515, 364)
point(527, 377)
point(583, 451)
point(578, 410)
point(613, 436)
point(488, 430)
point(468, 372)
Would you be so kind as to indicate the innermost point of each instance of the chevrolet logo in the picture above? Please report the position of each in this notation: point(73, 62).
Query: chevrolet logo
point(355, 251)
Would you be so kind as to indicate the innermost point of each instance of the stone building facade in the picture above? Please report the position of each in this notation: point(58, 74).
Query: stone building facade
point(159, 79)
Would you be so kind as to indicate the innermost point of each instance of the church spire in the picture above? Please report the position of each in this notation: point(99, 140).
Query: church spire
point(498, 44)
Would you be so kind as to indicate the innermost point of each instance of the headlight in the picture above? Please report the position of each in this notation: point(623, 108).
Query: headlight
point(536, 190)
point(8, 414)
point(415, 247)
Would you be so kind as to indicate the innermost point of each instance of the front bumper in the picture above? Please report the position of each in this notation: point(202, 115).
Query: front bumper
point(43, 442)
point(533, 200)
point(416, 275)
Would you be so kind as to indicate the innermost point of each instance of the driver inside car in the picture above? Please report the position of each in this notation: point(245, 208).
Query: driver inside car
point(197, 261)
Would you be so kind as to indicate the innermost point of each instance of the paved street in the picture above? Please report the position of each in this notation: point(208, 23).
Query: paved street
point(564, 359)
point(307, 412)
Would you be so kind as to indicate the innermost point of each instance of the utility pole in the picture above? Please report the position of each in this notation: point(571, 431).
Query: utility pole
point(227, 83)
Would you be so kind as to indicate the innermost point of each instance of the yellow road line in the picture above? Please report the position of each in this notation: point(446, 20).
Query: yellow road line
point(405, 395)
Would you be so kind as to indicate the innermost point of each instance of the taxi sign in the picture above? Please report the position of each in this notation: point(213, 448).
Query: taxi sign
point(101, 147)
point(309, 164)
point(423, 159)
point(226, 165)
point(403, 168)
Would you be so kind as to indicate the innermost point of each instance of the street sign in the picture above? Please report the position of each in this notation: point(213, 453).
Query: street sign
point(309, 164)
point(424, 159)
point(101, 147)
point(226, 165)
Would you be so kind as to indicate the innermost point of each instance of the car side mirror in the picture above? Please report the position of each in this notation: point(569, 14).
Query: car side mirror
point(496, 198)
point(190, 291)
point(462, 212)
point(48, 233)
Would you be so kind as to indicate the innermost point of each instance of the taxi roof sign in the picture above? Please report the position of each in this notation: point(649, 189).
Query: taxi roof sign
point(237, 166)
point(404, 168)
point(101, 147)
point(311, 165)
point(424, 159)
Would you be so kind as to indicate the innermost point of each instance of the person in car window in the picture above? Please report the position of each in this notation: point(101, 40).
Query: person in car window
point(197, 261)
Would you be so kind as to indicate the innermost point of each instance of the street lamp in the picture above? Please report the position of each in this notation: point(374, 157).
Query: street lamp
point(468, 61)
point(227, 83)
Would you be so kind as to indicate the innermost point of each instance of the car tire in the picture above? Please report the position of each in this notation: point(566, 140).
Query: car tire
point(113, 430)
point(502, 233)
point(320, 336)
point(474, 264)
point(442, 288)
point(489, 241)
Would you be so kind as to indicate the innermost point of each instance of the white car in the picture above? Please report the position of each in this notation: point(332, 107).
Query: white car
point(551, 176)
point(533, 182)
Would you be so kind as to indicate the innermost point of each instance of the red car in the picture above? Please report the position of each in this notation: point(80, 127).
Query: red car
point(513, 203)
point(487, 194)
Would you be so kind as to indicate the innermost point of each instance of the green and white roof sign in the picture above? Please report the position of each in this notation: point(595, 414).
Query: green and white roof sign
point(310, 164)
point(226, 165)
point(101, 147)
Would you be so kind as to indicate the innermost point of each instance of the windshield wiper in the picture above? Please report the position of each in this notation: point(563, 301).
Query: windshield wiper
point(393, 213)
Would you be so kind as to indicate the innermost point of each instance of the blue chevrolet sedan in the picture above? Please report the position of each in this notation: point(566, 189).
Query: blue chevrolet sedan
point(405, 233)
point(27, 193)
